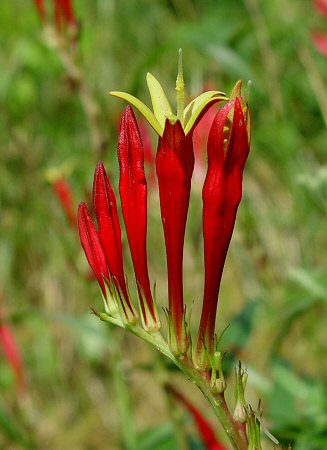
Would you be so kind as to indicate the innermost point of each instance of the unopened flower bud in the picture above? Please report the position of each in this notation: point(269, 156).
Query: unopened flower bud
point(218, 386)
point(239, 414)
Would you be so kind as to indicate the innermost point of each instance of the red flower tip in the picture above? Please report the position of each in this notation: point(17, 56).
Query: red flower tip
point(39, 4)
point(174, 164)
point(105, 207)
point(12, 354)
point(133, 193)
point(68, 12)
point(321, 6)
point(91, 244)
point(320, 42)
point(64, 13)
point(222, 192)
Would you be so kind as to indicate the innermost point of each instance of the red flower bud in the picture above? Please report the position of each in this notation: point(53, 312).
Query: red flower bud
point(174, 164)
point(133, 193)
point(91, 244)
point(222, 192)
point(105, 207)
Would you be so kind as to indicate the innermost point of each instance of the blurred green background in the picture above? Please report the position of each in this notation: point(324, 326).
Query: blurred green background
point(94, 387)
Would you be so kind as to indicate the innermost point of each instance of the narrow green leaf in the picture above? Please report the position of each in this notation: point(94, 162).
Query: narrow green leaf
point(161, 107)
point(144, 110)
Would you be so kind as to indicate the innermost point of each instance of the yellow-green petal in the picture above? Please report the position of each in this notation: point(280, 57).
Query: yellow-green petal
point(194, 109)
point(144, 110)
point(237, 90)
point(161, 107)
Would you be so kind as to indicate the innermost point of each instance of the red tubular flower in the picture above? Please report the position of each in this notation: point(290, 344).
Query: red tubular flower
point(110, 233)
point(64, 13)
point(321, 6)
point(174, 164)
point(133, 193)
point(222, 192)
point(204, 427)
point(12, 354)
point(320, 42)
point(91, 244)
point(67, 11)
point(39, 4)
point(64, 194)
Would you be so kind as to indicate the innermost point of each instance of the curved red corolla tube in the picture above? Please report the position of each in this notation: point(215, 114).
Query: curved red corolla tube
point(133, 193)
point(222, 192)
point(174, 165)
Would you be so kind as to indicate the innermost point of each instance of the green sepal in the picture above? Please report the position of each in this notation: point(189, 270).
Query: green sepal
point(178, 347)
point(161, 107)
point(106, 318)
point(200, 358)
point(218, 383)
point(240, 412)
point(149, 323)
point(127, 312)
point(110, 303)
point(253, 430)
point(144, 110)
point(196, 106)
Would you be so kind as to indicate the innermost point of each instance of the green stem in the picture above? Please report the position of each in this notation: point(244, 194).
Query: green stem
point(174, 414)
point(219, 405)
point(217, 401)
point(123, 400)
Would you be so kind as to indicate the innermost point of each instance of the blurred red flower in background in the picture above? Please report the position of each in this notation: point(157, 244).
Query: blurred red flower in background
point(320, 39)
point(63, 12)
point(12, 353)
point(204, 427)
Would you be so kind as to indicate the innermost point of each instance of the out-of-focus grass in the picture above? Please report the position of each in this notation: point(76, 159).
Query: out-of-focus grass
point(274, 287)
